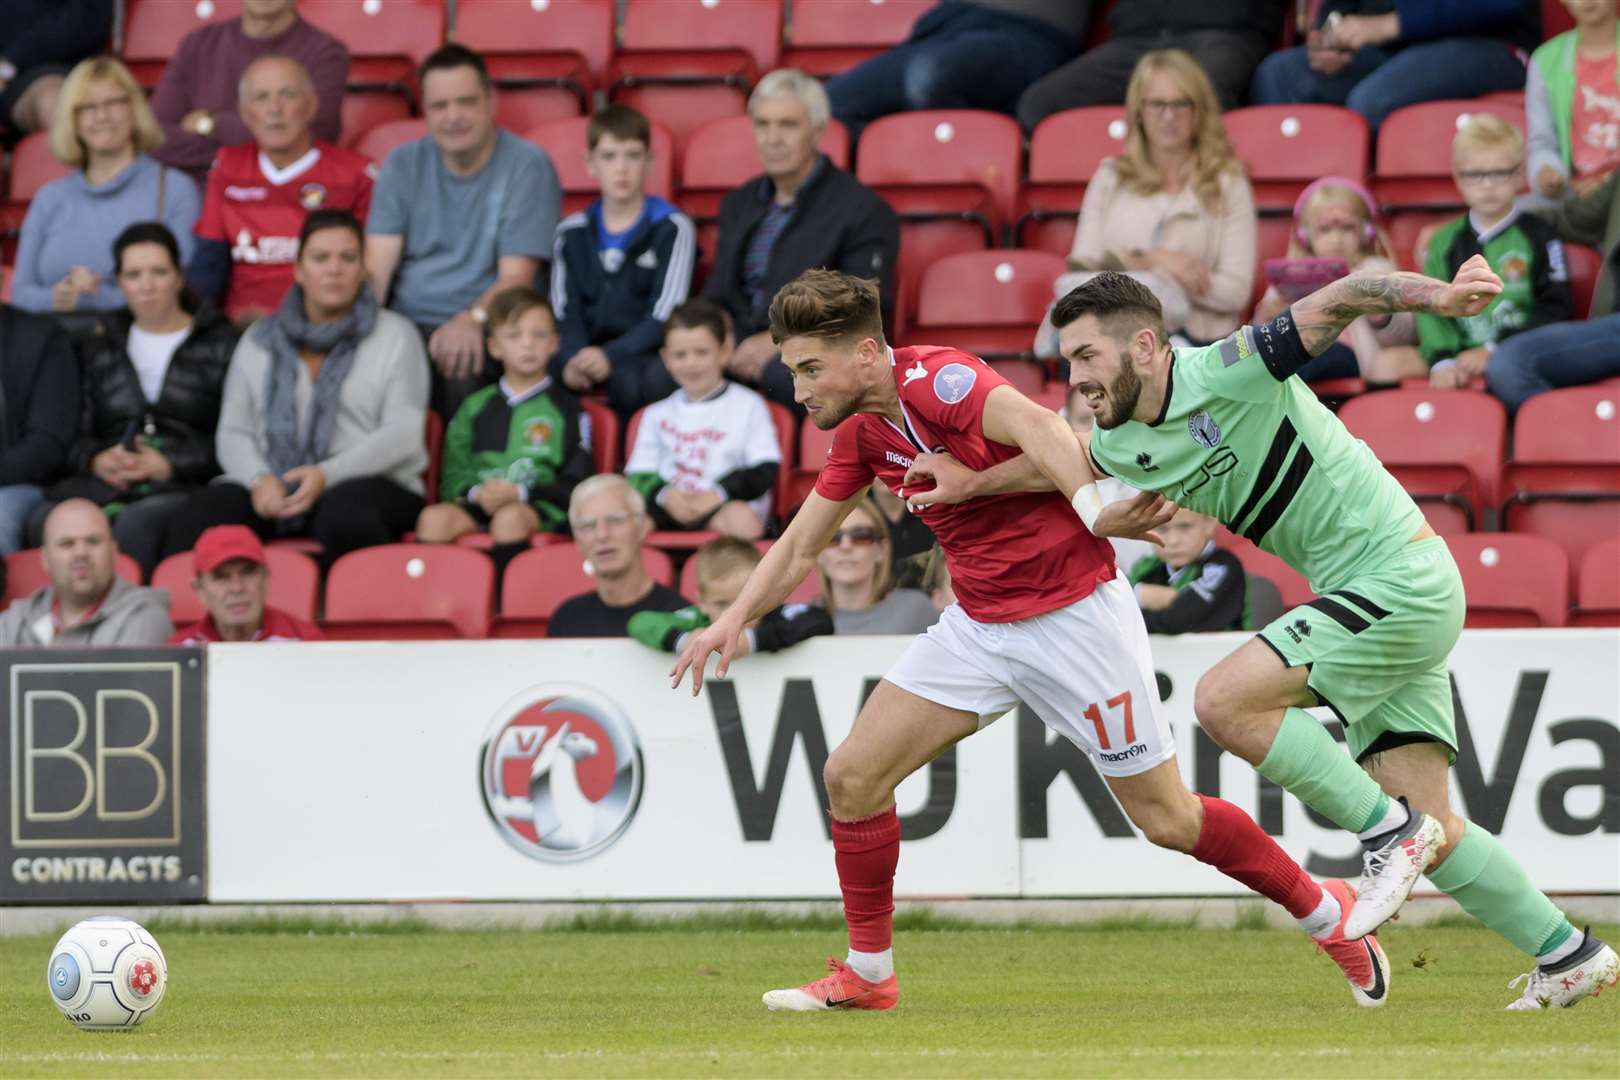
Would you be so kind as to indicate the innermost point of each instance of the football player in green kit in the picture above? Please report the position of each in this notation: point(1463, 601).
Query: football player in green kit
point(1228, 430)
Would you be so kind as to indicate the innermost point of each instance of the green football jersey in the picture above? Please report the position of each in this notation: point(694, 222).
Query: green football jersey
point(1266, 459)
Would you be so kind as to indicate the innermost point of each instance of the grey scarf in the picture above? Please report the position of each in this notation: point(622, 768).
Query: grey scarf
point(283, 334)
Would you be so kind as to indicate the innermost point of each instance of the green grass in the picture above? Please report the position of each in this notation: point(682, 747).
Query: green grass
point(615, 997)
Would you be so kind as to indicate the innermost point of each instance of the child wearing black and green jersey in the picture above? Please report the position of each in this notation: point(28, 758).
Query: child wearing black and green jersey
point(514, 451)
point(1188, 585)
point(723, 566)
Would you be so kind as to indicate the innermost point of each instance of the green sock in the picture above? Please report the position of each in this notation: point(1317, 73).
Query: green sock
point(1482, 876)
point(1305, 760)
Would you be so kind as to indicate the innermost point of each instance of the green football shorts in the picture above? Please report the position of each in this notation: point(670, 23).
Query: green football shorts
point(1377, 648)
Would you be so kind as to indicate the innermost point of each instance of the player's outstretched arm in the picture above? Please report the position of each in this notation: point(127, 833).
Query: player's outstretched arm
point(776, 576)
point(1323, 314)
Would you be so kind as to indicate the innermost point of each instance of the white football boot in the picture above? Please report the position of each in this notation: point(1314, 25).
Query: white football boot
point(1586, 972)
point(1389, 872)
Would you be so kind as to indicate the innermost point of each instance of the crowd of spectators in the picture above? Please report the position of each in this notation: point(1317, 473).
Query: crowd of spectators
point(229, 329)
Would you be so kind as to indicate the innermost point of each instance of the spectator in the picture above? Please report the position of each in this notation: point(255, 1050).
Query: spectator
point(1336, 219)
point(198, 98)
point(1569, 353)
point(152, 387)
point(1376, 56)
point(320, 431)
point(86, 603)
point(42, 41)
point(1189, 585)
point(515, 450)
point(259, 193)
point(1226, 38)
point(609, 519)
point(1174, 210)
point(706, 457)
point(1488, 164)
point(462, 214)
point(104, 132)
point(1127, 550)
point(233, 583)
point(39, 415)
point(618, 269)
point(857, 585)
point(803, 213)
point(723, 566)
point(962, 54)
point(1572, 103)
point(910, 541)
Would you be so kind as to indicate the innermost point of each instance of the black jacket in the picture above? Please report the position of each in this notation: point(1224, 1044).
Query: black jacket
point(39, 380)
point(181, 421)
point(837, 224)
point(1210, 593)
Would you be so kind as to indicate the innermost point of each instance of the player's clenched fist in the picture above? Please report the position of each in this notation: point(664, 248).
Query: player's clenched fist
point(1470, 292)
point(943, 480)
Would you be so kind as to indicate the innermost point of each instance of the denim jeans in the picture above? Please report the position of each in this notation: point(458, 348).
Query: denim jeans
point(17, 502)
point(1548, 357)
point(1377, 82)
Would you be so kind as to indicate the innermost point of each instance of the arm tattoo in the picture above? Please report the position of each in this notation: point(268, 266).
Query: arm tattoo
point(1323, 314)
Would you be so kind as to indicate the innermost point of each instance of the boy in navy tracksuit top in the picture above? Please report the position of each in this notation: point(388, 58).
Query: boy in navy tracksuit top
point(619, 269)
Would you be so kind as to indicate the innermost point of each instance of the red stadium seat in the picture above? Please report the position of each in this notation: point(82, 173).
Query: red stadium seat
point(1564, 480)
point(380, 141)
point(564, 143)
point(825, 38)
point(1285, 147)
point(295, 585)
point(721, 156)
point(1064, 151)
point(604, 434)
point(987, 302)
point(386, 39)
point(814, 446)
point(409, 592)
point(1444, 444)
point(433, 443)
point(1512, 580)
point(1413, 166)
point(1555, 19)
point(1597, 593)
point(153, 29)
point(686, 62)
point(1291, 584)
point(538, 581)
point(25, 573)
point(32, 167)
point(807, 592)
point(1584, 265)
point(545, 59)
point(364, 111)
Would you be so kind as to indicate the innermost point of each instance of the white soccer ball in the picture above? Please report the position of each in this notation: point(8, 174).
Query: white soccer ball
point(107, 973)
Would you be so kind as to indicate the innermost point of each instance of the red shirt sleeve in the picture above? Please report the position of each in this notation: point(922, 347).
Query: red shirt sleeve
point(951, 397)
point(211, 222)
point(844, 475)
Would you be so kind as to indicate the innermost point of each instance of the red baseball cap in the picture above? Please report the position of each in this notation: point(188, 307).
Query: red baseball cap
point(222, 543)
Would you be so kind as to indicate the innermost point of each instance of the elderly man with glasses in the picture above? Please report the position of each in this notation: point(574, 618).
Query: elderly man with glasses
point(610, 523)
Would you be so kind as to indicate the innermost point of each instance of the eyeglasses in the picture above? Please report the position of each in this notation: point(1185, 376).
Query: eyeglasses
point(1163, 105)
point(1493, 176)
point(607, 523)
point(860, 536)
point(107, 106)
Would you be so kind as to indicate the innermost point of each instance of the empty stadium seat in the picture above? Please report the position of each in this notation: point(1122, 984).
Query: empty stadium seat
point(1064, 151)
point(1597, 591)
point(545, 59)
point(1564, 480)
point(1512, 580)
point(825, 38)
point(153, 29)
point(295, 585)
point(808, 591)
point(409, 592)
point(814, 446)
point(1444, 444)
point(604, 434)
point(1285, 147)
point(721, 156)
point(380, 141)
point(564, 143)
point(386, 39)
point(1290, 583)
point(1412, 169)
point(32, 167)
point(25, 573)
point(987, 302)
point(538, 581)
point(363, 111)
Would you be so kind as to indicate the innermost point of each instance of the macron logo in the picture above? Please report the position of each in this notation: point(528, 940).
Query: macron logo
point(915, 373)
point(897, 459)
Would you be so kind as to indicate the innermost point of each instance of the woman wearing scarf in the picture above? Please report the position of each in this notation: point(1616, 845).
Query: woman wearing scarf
point(320, 433)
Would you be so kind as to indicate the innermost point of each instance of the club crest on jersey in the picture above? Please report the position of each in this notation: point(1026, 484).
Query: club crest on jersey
point(538, 432)
point(312, 196)
point(1204, 430)
point(953, 382)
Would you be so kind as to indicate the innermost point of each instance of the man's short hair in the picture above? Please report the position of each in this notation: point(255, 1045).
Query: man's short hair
point(329, 218)
point(791, 82)
point(827, 304)
point(620, 121)
point(510, 305)
point(1121, 303)
point(724, 556)
point(241, 83)
point(452, 56)
point(603, 483)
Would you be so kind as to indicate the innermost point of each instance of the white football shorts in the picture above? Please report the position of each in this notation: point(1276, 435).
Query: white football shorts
point(1085, 669)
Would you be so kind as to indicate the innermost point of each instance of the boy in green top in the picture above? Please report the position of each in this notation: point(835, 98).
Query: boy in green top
point(1231, 431)
point(514, 451)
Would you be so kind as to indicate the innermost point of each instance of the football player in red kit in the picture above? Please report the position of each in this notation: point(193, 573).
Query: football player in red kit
point(1041, 616)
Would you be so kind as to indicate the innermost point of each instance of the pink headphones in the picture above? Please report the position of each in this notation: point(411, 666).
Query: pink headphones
point(1369, 228)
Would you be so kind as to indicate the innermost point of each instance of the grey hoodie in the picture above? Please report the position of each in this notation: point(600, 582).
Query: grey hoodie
point(130, 615)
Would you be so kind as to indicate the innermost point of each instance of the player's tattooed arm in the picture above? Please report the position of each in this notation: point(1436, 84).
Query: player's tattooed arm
point(1321, 316)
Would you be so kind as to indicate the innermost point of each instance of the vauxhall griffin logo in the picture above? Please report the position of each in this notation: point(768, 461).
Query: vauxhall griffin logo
point(561, 772)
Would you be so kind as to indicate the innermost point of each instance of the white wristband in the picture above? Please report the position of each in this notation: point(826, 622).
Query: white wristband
point(1087, 503)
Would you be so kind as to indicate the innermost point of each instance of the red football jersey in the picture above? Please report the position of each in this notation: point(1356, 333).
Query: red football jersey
point(258, 212)
point(1010, 556)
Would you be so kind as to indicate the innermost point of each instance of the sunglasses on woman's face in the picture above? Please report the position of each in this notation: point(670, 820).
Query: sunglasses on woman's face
point(859, 536)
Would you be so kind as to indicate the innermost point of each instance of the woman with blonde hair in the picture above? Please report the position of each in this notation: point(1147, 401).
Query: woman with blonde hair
point(1174, 210)
point(857, 580)
point(103, 131)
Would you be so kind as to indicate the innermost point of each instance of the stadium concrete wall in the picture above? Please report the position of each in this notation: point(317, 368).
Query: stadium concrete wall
point(571, 771)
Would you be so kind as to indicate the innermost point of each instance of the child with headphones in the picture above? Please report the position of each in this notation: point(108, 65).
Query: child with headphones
point(1337, 231)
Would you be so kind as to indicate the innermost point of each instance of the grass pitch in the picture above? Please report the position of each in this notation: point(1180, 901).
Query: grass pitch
point(609, 997)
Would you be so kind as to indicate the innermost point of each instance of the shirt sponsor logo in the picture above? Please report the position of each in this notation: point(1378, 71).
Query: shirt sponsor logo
point(1204, 430)
point(953, 382)
point(267, 249)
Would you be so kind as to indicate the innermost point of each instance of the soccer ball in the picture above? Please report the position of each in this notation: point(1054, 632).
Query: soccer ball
point(107, 973)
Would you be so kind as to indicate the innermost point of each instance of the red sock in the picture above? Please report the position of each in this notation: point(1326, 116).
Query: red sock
point(866, 852)
point(1232, 843)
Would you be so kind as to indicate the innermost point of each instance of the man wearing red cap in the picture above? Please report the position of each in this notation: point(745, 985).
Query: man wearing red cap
point(233, 581)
